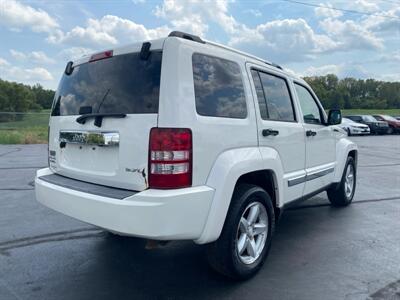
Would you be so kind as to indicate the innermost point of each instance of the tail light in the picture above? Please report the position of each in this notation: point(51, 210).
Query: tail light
point(170, 158)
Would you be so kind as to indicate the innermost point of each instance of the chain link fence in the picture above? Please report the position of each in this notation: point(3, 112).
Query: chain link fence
point(24, 127)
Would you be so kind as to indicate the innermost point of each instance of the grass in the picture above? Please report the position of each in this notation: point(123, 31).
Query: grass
point(390, 112)
point(29, 129)
point(32, 128)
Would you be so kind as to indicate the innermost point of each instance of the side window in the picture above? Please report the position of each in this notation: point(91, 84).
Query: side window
point(218, 87)
point(275, 94)
point(260, 94)
point(311, 112)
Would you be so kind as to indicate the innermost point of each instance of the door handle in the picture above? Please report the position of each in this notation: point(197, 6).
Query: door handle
point(268, 132)
point(311, 133)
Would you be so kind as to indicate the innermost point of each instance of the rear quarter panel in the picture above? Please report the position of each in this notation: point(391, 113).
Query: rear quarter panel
point(177, 108)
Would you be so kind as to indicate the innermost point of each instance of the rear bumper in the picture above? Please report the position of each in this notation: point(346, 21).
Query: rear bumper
point(156, 214)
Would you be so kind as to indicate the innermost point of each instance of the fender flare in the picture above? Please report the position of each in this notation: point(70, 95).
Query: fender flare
point(343, 148)
point(227, 169)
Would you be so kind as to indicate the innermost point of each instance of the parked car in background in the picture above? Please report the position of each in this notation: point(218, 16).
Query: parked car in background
point(397, 117)
point(394, 124)
point(352, 127)
point(375, 126)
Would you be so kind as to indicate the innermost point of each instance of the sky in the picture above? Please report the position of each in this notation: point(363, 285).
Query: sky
point(361, 39)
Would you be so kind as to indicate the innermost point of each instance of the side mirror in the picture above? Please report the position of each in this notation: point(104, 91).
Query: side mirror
point(334, 117)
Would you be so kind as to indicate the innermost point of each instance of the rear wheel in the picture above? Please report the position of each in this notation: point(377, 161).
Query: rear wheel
point(390, 130)
point(343, 193)
point(245, 239)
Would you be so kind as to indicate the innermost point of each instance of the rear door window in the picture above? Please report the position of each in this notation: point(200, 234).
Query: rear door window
point(120, 84)
point(218, 87)
point(273, 96)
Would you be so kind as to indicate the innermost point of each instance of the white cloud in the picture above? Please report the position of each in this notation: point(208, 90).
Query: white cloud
point(74, 53)
point(3, 62)
point(384, 22)
point(254, 12)
point(16, 15)
point(108, 31)
point(341, 70)
point(350, 35)
point(284, 40)
point(30, 75)
point(364, 5)
point(326, 11)
point(138, 1)
point(38, 57)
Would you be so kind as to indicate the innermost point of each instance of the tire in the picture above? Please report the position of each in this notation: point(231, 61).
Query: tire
point(348, 132)
point(223, 254)
point(340, 194)
point(390, 130)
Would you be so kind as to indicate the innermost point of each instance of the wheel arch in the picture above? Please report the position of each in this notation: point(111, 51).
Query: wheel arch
point(232, 167)
point(344, 149)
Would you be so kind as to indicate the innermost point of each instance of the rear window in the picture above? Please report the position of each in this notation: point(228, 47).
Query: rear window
point(218, 87)
point(120, 84)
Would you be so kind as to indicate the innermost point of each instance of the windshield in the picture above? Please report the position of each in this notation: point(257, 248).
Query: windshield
point(120, 84)
point(369, 119)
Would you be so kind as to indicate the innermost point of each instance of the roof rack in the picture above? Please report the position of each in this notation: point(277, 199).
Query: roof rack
point(246, 54)
point(196, 38)
point(186, 36)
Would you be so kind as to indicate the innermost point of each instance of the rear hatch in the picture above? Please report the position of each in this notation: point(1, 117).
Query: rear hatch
point(102, 115)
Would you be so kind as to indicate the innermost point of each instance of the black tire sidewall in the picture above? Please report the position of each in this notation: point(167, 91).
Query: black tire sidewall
point(350, 161)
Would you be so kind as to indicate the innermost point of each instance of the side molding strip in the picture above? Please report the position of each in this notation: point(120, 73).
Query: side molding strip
point(308, 177)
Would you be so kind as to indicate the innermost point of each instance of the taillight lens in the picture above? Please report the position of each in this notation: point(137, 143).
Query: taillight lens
point(170, 158)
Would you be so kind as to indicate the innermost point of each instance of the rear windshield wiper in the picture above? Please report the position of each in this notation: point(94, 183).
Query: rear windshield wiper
point(98, 118)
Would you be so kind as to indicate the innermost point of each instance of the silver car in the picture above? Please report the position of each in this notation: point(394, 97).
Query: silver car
point(353, 128)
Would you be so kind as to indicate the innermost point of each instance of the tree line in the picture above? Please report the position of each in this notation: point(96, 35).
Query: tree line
point(349, 93)
point(18, 97)
point(333, 92)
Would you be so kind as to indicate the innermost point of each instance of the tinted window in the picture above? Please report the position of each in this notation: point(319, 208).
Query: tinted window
point(260, 94)
point(120, 84)
point(309, 107)
point(218, 87)
point(275, 94)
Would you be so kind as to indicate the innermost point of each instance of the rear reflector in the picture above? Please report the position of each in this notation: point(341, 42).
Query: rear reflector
point(101, 55)
point(170, 158)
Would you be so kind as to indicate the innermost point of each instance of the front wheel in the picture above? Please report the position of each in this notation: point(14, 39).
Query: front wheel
point(245, 239)
point(390, 130)
point(342, 194)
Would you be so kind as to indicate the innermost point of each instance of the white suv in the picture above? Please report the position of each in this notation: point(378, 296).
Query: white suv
point(184, 139)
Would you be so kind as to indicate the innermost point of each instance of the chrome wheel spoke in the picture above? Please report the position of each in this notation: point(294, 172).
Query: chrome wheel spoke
point(251, 248)
point(253, 214)
point(242, 243)
point(243, 225)
point(259, 228)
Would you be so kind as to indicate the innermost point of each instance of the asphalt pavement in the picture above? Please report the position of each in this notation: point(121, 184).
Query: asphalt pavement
point(318, 252)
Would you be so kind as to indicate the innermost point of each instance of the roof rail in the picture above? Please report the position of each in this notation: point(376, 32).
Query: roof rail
point(245, 54)
point(275, 65)
point(187, 36)
point(196, 38)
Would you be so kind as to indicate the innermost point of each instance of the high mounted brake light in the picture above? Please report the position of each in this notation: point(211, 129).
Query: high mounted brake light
point(170, 158)
point(101, 55)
